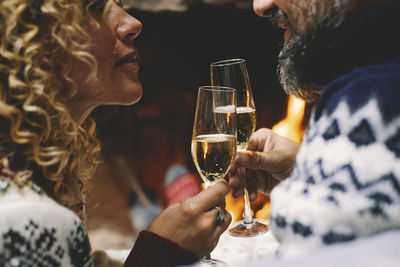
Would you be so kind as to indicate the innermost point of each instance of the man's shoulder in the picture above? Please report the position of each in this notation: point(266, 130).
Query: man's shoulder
point(380, 82)
point(385, 76)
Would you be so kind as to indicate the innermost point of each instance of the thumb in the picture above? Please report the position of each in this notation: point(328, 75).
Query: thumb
point(211, 197)
point(256, 160)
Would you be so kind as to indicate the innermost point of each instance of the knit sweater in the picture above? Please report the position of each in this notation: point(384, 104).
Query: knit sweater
point(37, 231)
point(346, 182)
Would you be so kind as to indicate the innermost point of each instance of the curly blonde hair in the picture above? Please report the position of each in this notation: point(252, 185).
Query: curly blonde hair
point(39, 41)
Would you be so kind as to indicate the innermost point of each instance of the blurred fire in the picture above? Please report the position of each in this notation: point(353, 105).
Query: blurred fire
point(291, 127)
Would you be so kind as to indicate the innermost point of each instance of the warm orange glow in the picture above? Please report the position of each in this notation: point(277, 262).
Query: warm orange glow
point(263, 213)
point(291, 126)
point(234, 207)
point(205, 149)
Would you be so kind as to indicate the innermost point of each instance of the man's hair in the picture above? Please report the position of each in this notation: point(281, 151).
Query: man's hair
point(39, 42)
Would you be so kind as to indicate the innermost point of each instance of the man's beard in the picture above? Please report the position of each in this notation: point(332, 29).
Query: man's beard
point(300, 69)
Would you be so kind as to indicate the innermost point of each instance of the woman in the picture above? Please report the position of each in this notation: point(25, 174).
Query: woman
point(59, 59)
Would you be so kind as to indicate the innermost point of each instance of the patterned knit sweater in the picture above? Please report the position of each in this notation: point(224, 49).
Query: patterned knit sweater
point(346, 183)
point(36, 231)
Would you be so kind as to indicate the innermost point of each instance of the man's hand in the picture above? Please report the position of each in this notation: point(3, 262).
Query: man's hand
point(269, 159)
point(192, 223)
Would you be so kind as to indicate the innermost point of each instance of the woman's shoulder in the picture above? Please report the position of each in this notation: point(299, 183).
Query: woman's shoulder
point(18, 194)
point(29, 200)
point(34, 226)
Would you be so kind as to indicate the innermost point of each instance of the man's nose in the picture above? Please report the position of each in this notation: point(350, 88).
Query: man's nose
point(261, 7)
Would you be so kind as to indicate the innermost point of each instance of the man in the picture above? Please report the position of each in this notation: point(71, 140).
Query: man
point(343, 182)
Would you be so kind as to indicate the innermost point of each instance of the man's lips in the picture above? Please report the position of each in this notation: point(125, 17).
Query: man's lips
point(286, 35)
point(279, 19)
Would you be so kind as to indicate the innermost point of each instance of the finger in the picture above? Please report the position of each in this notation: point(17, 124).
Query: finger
point(237, 193)
point(222, 205)
point(210, 218)
point(222, 226)
point(237, 186)
point(258, 139)
point(252, 187)
point(235, 182)
point(234, 166)
point(258, 160)
point(233, 171)
point(211, 197)
point(251, 183)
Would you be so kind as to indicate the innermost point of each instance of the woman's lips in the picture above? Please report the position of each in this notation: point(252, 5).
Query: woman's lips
point(128, 65)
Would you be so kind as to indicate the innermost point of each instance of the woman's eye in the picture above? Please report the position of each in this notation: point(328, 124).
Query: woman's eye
point(98, 5)
point(120, 3)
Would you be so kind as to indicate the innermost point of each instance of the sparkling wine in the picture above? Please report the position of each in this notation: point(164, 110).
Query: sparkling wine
point(246, 124)
point(213, 155)
point(225, 118)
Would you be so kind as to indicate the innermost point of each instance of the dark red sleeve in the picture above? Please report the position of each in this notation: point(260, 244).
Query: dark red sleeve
point(153, 250)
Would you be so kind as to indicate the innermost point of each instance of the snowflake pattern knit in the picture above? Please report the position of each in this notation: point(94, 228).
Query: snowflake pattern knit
point(346, 183)
point(37, 231)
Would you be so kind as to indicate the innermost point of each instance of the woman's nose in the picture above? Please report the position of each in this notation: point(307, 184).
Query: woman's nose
point(261, 7)
point(128, 27)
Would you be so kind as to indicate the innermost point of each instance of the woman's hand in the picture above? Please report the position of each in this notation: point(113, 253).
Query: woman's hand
point(192, 223)
point(269, 159)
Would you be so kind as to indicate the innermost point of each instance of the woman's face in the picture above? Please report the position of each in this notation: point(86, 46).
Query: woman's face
point(117, 76)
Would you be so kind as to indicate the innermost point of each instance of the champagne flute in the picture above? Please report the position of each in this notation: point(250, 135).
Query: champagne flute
point(233, 73)
point(214, 136)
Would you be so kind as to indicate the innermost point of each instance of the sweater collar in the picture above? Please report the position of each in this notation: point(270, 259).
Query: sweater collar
point(371, 38)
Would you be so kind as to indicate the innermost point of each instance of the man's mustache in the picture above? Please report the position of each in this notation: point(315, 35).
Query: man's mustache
point(277, 17)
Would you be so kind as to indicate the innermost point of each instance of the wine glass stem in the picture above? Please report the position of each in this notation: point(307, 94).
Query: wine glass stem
point(207, 258)
point(248, 217)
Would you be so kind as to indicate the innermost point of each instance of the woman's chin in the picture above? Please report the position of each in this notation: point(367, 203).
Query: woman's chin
point(131, 98)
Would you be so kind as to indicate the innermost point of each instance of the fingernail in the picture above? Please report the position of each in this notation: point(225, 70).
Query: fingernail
point(244, 158)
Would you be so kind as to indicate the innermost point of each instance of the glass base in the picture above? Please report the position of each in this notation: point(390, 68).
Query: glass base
point(206, 261)
point(242, 229)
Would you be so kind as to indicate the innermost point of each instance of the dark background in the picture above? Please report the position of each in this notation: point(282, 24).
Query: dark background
point(176, 49)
